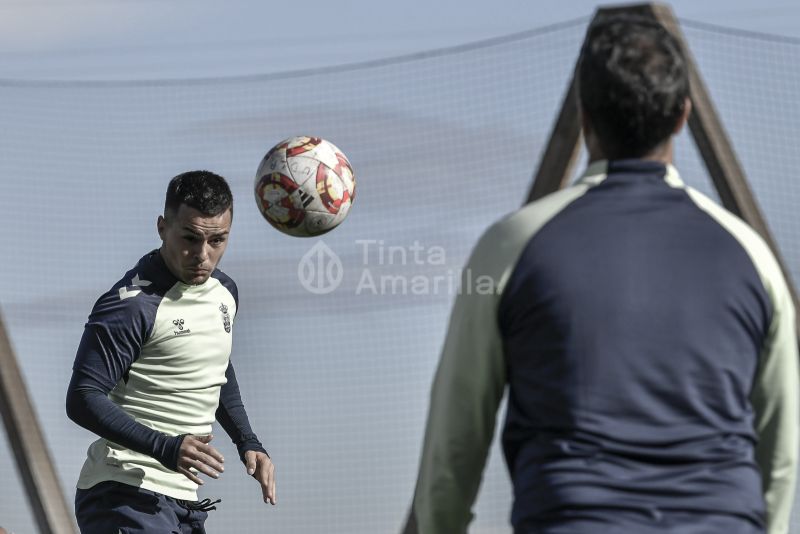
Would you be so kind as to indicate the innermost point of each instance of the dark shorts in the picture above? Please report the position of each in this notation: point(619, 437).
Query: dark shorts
point(625, 522)
point(116, 508)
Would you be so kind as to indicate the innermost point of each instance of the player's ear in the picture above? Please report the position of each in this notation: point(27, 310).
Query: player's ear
point(687, 110)
point(161, 226)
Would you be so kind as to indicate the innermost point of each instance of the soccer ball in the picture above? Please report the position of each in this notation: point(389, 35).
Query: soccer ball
point(304, 186)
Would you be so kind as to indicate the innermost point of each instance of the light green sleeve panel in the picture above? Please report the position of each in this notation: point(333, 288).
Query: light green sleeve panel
point(470, 379)
point(775, 389)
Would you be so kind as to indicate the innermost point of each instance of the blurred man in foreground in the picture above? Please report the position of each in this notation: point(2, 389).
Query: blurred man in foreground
point(645, 334)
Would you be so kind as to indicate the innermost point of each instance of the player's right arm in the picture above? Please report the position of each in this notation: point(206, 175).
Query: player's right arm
point(111, 342)
point(775, 402)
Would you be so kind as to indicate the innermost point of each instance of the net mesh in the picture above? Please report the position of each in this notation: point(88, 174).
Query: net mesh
point(336, 384)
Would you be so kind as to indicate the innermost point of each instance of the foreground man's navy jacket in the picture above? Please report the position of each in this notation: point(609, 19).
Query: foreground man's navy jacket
point(647, 339)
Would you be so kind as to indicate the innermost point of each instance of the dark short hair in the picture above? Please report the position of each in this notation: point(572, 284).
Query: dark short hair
point(633, 83)
point(204, 191)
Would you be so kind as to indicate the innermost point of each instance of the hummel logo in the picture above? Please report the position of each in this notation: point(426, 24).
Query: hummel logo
point(179, 325)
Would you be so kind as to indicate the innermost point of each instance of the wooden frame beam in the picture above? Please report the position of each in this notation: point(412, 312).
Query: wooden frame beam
point(562, 149)
point(33, 460)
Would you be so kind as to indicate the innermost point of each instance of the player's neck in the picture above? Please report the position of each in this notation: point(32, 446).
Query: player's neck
point(662, 153)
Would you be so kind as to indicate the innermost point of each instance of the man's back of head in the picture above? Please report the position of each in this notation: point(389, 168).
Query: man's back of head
point(633, 85)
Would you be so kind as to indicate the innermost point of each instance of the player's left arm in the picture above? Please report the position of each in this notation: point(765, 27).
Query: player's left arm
point(775, 403)
point(232, 416)
point(774, 395)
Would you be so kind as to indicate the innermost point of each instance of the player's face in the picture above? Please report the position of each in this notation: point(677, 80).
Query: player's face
point(193, 243)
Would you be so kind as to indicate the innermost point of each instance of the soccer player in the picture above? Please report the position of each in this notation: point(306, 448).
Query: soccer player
point(646, 337)
point(153, 370)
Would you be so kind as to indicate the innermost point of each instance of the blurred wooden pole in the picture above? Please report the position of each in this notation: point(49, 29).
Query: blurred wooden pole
point(562, 149)
point(32, 457)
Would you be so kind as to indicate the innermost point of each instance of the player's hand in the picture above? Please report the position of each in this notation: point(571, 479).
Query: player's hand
point(195, 452)
point(260, 467)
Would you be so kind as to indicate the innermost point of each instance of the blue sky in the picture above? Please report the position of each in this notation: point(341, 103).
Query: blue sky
point(125, 39)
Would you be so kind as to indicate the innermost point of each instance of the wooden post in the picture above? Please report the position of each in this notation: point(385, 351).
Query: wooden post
point(562, 149)
point(33, 460)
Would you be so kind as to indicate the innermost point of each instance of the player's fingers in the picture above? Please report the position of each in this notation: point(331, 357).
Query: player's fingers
point(272, 486)
point(203, 467)
point(267, 479)
point(265, 491)
point(191, 476)
point(212, 461)
point(212, 452)
point(205, 439)
point(250, 459)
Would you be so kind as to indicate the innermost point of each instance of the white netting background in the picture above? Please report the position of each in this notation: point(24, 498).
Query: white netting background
point(336, 385)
